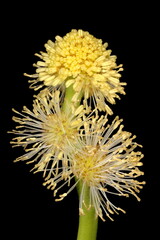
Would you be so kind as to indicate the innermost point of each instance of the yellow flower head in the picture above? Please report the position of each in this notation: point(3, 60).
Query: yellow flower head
point(106, 163)
point(46, 133)
point(82, 60)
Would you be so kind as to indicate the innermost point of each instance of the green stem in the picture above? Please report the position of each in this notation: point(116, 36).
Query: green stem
point(88, 223)
point(66, 106)
point(68, 99)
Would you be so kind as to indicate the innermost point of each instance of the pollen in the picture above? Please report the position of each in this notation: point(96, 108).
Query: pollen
point(61, 133)
point(76, 53)
point(85, 166)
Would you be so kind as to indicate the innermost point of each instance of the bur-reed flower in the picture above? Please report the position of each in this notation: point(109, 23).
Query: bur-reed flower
point(84, 61)
point(46, 133)
point(105, 161)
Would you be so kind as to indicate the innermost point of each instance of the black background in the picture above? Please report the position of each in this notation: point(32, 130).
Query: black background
point(28, 209)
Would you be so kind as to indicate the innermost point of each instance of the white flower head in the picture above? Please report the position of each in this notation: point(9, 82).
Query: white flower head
point(46, 132)
point(105, 162)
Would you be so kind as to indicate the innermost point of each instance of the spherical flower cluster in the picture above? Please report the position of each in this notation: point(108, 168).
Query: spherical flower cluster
point(81, 60)
point(105, 162)
point(46, 132)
